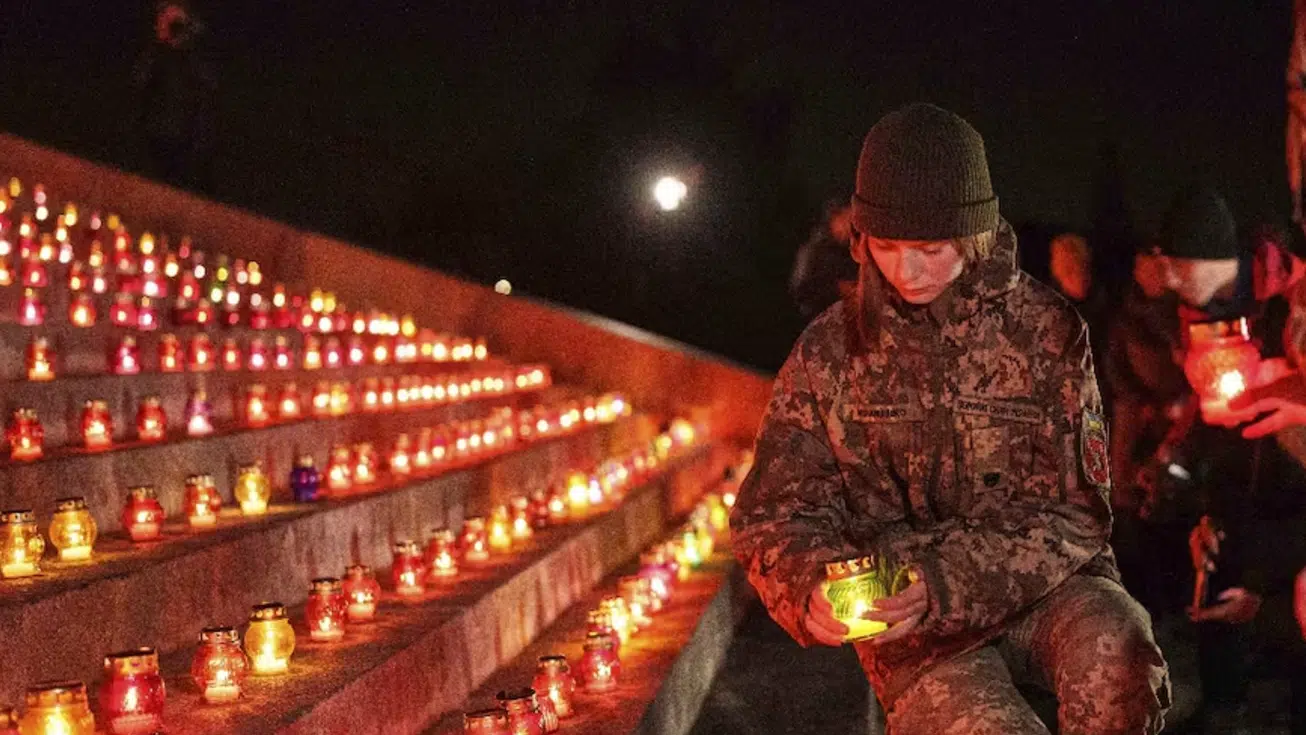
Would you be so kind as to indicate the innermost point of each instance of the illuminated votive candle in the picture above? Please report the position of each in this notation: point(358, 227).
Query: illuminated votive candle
point(635, 591)
point(486, 722)
point(559, 508)
point(339, 470)
point(97, 426)
point(31, 312)
point(654, 569)
point(143, 515)
point(362, 592)
point(81, 310)
point(475, 541)
point(553, 680)
point(401, 458)
point(269, 640)
point(619, 614)
point(202, 501)
point(312, 353)
point(288, 404)
point(72, 529)
point(282, 359)
point(408, 571)
point(40, 360)
point(127, 357)
point(25, 435)
point(305, 482)
point(123, 311)
point(524, 717)
point(500, 532)
point(364, 464)
point(21, 544)
point(201, 353)
point(257, 411)
point(220, 666)
point(9, 721)
point(252, 490)
point(322, 400)
point(132, 693)
point(258, 355)
point(853, 586)
point(441, 555)
point(326, 609)
point(521, 519)
point(151, 422)
point(169, 354)
point(599, 665)
point(231, 357)
point(57, 708)
point(198, 412)
point(578, 493)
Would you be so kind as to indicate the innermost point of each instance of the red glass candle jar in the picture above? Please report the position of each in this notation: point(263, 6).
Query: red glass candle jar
point(126, 358)
point(553, 681)
point(521, 529)
point(322, 400)
point(475, 540)
point(381, 351)
point(143, 515)
point(408, 571)
point(97, 425)
point(257, 411)
point(356, 353)
point(219, 667)
point(401, 458)
point(599, 620)
point(81, 310)
point(421, 459)
point(387, 394)
point(123, 311)
point(40, 360)
point(365, 464)
point(326, 609)
point(332, 356)
point(634, 589)
point(442, 555)
point(34, 274)
point(202, 501)
point(231, 357)
point(201, 353)
point(199, 413)
point(659, 575)
point(499, 533)
point(132, 693)
point(342, 399)
point(538, 509)
point(147, 315)
point(9, 721)
point(524, 716)
point(31, 312)
point(339, 469)
point(288, 404)
point(1221, 362)
point(371, 395)
point(486, 722)
point(599, 665)
point(258, 355)
point(312, 353)
point(169, 354)
point(362, 593)
point(282, 358)
point(151, 422)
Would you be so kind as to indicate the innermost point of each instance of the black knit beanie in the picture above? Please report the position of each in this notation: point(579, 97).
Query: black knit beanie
point(1199, 226)
point(923, 175)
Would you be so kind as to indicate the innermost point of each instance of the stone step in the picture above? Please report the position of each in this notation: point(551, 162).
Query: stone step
point(666, 669)
point(64, 621)
point(421, 658)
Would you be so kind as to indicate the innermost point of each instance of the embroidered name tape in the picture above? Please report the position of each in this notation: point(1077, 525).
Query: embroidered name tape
point(1007, 410)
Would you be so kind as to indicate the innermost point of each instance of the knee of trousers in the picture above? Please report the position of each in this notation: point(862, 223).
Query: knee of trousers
point(1121, 672)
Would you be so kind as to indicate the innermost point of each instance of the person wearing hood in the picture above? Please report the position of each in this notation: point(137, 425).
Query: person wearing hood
point(947, 420)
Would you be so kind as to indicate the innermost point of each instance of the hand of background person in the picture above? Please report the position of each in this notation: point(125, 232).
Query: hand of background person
point(1204, 544)
point(820, 621)
point(1237, 606)
point(903, 612)
point(1278, 391)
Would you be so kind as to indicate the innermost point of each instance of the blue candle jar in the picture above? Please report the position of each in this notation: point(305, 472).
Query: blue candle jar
point(305, 480)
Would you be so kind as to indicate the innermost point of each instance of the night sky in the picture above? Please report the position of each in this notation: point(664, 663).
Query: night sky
point(520, 139)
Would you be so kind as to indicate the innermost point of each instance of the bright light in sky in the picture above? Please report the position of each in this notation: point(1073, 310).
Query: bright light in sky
point(670, 193)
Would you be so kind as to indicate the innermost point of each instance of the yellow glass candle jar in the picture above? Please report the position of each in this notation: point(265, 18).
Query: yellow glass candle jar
point(270, 640)
point(252, 490)
point(21, 544)
point(852, 587)
point(72, 529)
point(57, 707)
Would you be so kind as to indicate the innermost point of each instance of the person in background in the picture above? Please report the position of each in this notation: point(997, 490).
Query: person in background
point(1071, 267)
point(948, 418)
point(824, 271)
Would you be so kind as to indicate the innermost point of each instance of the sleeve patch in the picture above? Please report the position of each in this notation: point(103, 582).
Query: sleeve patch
point(1093, 448)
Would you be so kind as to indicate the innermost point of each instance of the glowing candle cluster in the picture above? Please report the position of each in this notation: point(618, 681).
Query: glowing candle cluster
point(132, 693)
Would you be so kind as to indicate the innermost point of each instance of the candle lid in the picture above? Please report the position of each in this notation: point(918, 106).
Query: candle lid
point(305, 461)
point(8, 717)
point(516, 695)
point(326, 585)
point(143, 492)
point(358, 571)
point(143, 660)
point(1204, 331)
point(474, 524)
point(406, 547)
point(849, 567)
point(17, 516)
point(250, 468)
point(25, 414)
point(520, 503)
point(268, 611)
point(553, 662)
point(53, 693)
point(219, 634)
point(65, 504)
point(442, 535)
point(151, 400)
point(598, 641)
point(484, 717)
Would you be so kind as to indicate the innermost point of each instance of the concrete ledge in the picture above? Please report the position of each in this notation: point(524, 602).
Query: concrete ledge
point(666, 670)
point(66, 620)
point(421, 659)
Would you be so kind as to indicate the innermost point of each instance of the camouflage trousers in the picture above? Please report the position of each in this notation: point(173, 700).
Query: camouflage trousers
point(1088, 642)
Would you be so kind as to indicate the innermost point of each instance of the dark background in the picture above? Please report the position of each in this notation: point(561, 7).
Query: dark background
point(520, 139)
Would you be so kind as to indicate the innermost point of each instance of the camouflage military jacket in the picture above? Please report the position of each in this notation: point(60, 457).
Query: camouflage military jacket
point(969, 442)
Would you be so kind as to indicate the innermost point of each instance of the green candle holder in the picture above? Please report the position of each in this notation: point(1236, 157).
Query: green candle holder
point(854, 585)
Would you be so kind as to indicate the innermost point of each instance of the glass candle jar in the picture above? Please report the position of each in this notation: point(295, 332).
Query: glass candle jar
point(852, 587)
point(252, 490)
point(81, 310)
point(57, 708)
point(524, 716)
point(475, 542)
point(634, 590)
point(147, 315)
point(199, 414)
point(619, 614)
point(486, 722)
point(21, 544)
point(257, 411)
point(202, 501)
point(132, 693)
point(401, 458)
point(289, 404)
point(97, 425)
point(537, 510)
point(220, 666)
point(326, 609)
point(521, 519)
point(25, 435)
point(40, 360)
point(578, 493)
point(331, 354)
point(599, 620)
point(151, 421)
point(365, 464)
point(654, 570)
point(72, 529)
point(312, 353)
point(169, 354)
point(9, 721)
point(553, 681)
point(500, 531)
point(143, 514)
point(31, 312)
point(269, 641)
point(408, 572)
point(362, 592)
point(201, 353)
point(282, 357)
point(441, 555)
point(305, 482)
point(339, 470)
point(599, 666)
point(1221, 362)
point(231, 358)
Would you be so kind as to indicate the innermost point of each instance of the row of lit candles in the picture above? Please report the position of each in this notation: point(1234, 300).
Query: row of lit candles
point(256, 408)
point(132, 694)
point(73, 529)
point(200, 355)
point(551, 696)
